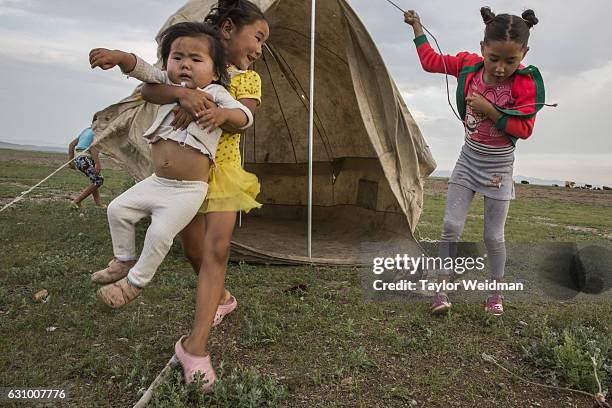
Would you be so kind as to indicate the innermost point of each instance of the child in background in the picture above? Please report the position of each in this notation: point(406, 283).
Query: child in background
point(194, 58)
point(206, 240)
point(88, 164)
point(497, 99)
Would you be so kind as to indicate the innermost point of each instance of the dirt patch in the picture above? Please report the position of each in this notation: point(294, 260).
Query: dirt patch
point(582, 229)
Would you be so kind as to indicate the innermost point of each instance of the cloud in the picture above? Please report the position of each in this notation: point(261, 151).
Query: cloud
point(562, 41)
point(97, 13)
point(579, 123)
point(47, 105)
point(69, 48)
point(568, 51)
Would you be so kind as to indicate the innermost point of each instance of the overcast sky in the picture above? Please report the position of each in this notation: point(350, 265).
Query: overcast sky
point(48, 93)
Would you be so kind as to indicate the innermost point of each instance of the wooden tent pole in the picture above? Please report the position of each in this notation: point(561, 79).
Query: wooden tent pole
point(311, 122)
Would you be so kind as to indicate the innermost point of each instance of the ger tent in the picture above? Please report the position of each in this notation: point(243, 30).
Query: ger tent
point(370, 159)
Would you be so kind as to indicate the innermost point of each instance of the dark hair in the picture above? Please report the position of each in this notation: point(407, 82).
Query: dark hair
point(192, 29)
point(508, 27)
point(239, 12)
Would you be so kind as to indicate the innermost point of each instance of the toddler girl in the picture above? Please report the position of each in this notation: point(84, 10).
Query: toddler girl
point(194, 57)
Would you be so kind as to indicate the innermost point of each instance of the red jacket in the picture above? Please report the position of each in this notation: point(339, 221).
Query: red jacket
point(527, 87)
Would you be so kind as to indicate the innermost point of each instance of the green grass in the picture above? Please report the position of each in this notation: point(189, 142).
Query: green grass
point(551, 217)
point(322, 346)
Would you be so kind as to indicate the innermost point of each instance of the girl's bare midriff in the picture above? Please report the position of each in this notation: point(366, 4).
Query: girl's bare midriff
point(174, 161)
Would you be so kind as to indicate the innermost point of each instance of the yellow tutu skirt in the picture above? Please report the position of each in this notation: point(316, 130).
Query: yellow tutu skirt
point(230, 188)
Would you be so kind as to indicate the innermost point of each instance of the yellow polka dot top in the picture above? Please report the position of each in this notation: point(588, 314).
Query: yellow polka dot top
point(230, 187)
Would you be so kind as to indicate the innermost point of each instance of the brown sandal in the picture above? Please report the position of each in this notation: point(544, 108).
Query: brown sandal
point(115, 271)
point(119, 293)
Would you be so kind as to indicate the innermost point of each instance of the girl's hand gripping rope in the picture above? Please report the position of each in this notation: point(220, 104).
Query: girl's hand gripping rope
point(412, 18)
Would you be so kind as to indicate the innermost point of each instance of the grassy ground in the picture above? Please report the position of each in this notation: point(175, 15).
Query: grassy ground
point(301, 336)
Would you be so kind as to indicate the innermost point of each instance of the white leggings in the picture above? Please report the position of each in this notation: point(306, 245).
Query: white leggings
point(172, 204)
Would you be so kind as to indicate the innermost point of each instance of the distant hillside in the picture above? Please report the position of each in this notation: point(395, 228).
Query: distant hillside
point(13, 146)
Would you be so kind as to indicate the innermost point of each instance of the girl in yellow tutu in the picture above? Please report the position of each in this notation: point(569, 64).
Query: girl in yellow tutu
point(206, 240)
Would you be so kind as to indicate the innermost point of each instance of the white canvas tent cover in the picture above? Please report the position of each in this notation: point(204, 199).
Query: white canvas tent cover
point(370, 159)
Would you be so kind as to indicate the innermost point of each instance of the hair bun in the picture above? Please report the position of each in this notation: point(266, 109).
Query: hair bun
point(530, 18)
point(487, 14)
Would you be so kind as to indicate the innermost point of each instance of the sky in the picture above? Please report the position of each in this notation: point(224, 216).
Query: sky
point(49, 93)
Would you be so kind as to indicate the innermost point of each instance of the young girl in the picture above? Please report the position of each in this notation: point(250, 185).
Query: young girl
point(497, 99)
point(206, 240)
point(194, 57)
point(88, 164)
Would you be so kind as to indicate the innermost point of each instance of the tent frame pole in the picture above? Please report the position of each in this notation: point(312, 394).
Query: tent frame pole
point(311, 122)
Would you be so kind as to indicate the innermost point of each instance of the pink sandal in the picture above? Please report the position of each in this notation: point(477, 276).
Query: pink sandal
point(494, 305)
point(225, 309)
point(440, 304)
point(192, 364)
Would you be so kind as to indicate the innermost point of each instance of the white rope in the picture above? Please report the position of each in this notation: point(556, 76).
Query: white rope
point(24, 193)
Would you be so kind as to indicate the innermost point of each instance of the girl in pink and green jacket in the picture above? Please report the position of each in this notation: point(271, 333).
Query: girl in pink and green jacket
point(497, 100)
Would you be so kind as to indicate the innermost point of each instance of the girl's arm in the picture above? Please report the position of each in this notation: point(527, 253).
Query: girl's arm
point(130, 65)
point(431, 61)
point(231, 114)
point(251, 104)
point(96, 159)
point(71, 147)
point(107, 59)
point(193, 100)
point(247, 91)
point(519, 122)
point(161, 94)
point(218, 117)
point(516, 126)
